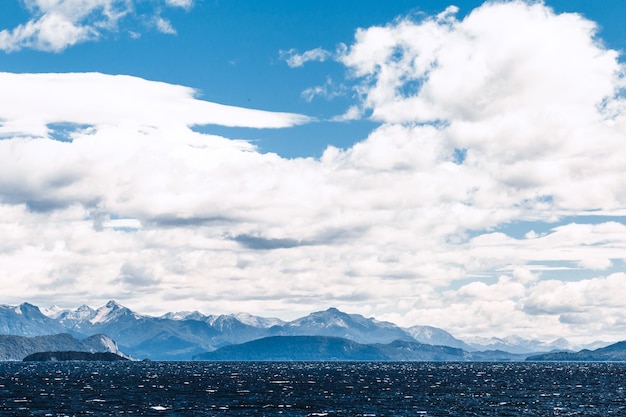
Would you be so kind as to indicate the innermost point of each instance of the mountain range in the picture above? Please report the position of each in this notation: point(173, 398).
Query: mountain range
point(183, 335)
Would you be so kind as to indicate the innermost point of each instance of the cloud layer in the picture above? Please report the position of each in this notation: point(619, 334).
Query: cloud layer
point(461, 210)
point(58, 24)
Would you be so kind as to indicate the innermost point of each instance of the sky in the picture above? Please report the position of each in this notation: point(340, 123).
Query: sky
point(453, 164)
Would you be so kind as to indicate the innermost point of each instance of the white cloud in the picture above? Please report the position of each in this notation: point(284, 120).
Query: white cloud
point(328, 90)
point(506, 98)
point(57, 25)
point(485, 122)
point(294, 59)
point(467, 70)
point(353, 113)
point(186, 4)
point(582, 297)
point(164, 26)
point(31, 104)
point(595, 263)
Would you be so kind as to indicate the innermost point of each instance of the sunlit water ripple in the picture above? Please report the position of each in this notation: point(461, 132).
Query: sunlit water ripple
point(312, 389)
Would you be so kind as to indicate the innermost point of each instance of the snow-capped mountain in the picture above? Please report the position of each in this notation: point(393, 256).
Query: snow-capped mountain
point(516, 344)
point(256, 321)
point(245, 318)
point(171, 336)
point(434, 336)
point(184, 315)
point(27, 320)
point(333, 322)
point(72, 319)
point(184, 334)
point(52, 312)
point(112, 311)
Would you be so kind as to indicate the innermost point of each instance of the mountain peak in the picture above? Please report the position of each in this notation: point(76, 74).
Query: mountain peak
point(110, 311)
point(52, 311)
point(114, 305)
point(256, 321)
point(335, 323)
point(26, 308)
point(184, 315)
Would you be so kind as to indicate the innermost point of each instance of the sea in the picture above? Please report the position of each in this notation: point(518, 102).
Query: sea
point(312, 389)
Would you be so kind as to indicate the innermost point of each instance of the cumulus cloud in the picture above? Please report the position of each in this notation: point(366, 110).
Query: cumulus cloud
point(507, 100)
point(57, 25)
point(462, 71)
point(510, 116)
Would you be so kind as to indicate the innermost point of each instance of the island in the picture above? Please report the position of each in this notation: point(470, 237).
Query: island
point(73, 356)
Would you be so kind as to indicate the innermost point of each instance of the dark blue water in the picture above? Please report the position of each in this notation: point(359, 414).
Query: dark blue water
point(312, 389)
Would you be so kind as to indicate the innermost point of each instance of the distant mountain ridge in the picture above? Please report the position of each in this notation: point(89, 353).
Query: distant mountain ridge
point(327, 348)
point(614, 352)
point(181, 335)
point(516, 344)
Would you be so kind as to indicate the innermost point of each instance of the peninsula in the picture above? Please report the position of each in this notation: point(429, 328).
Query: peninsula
point(73, 356)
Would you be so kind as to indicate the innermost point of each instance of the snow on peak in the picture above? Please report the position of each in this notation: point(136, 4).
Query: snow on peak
point(184, 315)
point(82, 313)
point(325, 319)
point(101, 315)
point(84, 307)
point(108, 312)
point(336, 322)
point(113, 305)
point(53, 311)
point(255, 321)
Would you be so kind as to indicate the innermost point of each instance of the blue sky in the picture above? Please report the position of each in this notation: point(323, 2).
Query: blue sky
point(230, 52)
point(282, 157)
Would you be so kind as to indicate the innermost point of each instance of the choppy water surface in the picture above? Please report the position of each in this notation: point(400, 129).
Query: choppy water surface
point(312, 389)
